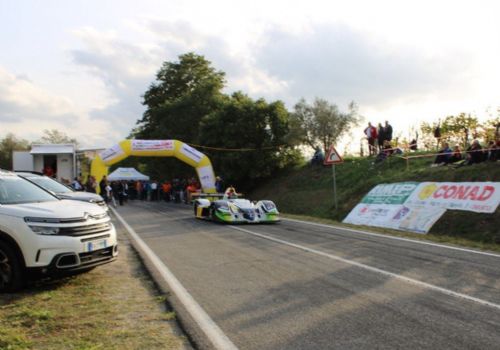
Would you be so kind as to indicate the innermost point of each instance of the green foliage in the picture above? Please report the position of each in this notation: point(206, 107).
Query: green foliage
point(183, 93)
point(461, 129)
point(256, 126)
point(186, 103)
point(320, 123)
point(9, 144)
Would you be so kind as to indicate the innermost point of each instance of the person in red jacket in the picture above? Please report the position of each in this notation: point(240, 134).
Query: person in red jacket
point(371, 135)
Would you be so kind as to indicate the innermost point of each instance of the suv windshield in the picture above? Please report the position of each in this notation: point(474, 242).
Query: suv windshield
point(15, 190)
point(48, 184)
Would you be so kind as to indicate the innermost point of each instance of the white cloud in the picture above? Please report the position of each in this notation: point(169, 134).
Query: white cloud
point(27, 109)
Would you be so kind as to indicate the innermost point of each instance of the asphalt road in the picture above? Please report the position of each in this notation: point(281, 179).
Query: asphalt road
point(300, 286)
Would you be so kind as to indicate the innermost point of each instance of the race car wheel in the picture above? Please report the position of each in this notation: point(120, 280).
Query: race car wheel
point(11, 271)
point(195, 210)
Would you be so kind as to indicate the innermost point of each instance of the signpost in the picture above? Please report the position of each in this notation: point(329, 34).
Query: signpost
point(332, 158)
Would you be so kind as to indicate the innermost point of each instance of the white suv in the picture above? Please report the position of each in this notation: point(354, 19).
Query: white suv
point(41, 234)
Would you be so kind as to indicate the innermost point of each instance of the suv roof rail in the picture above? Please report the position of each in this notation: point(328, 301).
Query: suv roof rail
point(28, 171)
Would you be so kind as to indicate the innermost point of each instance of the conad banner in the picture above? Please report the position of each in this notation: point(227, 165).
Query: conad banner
point(480, 197)
point(415, 207)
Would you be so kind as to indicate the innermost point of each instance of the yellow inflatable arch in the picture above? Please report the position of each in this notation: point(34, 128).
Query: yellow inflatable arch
point(156, 148)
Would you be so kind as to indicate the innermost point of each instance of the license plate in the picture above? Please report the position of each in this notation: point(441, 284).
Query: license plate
point(96, 245)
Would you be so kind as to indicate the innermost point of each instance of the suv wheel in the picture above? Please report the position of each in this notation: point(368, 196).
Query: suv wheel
point(11, 272)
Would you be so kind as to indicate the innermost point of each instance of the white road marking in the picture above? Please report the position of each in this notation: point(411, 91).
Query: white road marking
point(394, 237)
point(372, 269)
point(206, 324)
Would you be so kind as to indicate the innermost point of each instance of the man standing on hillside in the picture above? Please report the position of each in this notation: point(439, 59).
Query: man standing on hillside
point(371, 135)
point(388, 131)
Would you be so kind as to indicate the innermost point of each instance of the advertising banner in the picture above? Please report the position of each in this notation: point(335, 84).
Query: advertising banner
point(152, 145)
point(111, 153)
point(206, 175)
point(480, 197)
point(399, 217)
point(396, 193)
point(415, 207)
point(191, 153)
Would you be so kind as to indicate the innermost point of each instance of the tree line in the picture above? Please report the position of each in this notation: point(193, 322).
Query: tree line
point(246, 139)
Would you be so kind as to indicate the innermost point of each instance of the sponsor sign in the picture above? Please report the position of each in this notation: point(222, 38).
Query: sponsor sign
point(480, 197)
point(399, 217)
point(206, 176)
point(416, 207)
point(111, 153)
point(191, 153)
point(396, 193)
point(152, 145)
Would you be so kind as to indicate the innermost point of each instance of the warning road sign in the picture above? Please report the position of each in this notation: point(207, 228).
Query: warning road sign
point(333, 157)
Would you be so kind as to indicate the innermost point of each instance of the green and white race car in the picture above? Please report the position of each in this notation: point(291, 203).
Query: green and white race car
point(229, 208)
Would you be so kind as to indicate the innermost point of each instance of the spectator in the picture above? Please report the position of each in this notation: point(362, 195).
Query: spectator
point(191, 188)
point(474, 153)
point(371, 135)
point(91, 184)
point(443, 156)
point(167, 189)
point(154, 191)
point(121, 192)
point(317, 158)
point(102, 188)
point(387, 131)
point(381, 137)
point(413, 145)
point(456, 156)
point(77, 184)
point(493, 151)
point(219, 185)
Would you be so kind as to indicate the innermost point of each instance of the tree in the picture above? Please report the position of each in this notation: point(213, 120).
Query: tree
point(9, 144)
point(321, 123)
point(455, 129)
point(254, 133)
point(184, 92)
point(56, 137)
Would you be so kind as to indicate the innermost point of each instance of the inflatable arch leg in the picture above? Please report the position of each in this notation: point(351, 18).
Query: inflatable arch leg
point(156, 148)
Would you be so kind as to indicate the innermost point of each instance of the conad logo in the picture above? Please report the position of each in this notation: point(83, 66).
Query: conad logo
point(427, 191)
point(458, 192)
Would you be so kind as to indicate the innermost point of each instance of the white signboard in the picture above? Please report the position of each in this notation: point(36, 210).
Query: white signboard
point(480, 197)
point(206, 176)
point(152, 145)
point(111, 153)
point(191, 153)
point(399, 217)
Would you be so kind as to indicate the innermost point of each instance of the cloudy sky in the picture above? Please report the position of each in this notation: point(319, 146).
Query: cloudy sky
point(82, 66)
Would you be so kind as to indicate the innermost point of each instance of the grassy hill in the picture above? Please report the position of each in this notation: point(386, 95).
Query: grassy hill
point(308, 190)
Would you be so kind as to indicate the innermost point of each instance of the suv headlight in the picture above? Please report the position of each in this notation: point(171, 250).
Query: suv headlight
point(44, 230)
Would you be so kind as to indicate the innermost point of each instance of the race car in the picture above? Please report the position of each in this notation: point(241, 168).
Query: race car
point(229, 208)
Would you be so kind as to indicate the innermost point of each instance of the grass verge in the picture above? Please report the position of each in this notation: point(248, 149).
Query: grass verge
point(115, 306)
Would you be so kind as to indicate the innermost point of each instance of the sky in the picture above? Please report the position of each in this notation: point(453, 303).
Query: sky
point(82, 66)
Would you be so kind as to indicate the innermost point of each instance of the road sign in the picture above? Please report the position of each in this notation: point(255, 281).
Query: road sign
point(333, 157)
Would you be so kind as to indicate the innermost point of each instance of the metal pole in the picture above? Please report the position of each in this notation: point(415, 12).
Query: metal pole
point(334, 187)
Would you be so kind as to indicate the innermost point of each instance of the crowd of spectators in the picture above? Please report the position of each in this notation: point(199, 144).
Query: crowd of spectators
point(474, 154)
point(176, 190)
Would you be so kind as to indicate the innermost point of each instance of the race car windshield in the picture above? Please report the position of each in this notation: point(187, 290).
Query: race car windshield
point(15, 190)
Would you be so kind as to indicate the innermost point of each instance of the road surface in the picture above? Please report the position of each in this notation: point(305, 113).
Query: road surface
point(299, 286)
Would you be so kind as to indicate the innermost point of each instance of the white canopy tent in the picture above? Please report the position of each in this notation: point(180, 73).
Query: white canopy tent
point(126, 174)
